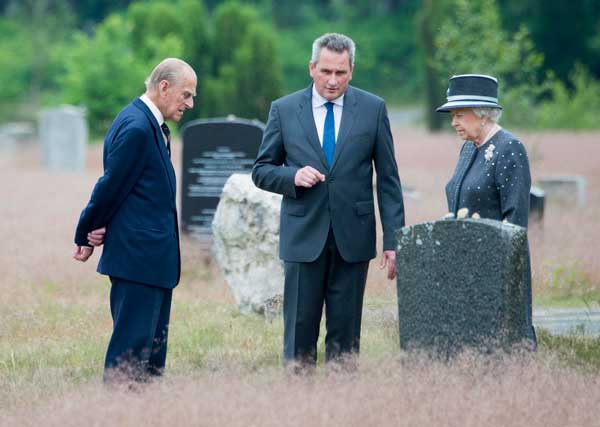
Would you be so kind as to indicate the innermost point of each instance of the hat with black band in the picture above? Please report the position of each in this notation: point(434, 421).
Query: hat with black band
point(471, 90)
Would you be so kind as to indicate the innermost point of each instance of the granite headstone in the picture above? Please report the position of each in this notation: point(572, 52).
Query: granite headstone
point(569, 190)
point(213, 149)
point(64, 136)
point(461, 284)
point(13, 135)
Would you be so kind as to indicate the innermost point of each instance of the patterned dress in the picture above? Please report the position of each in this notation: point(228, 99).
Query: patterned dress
point(494, 181)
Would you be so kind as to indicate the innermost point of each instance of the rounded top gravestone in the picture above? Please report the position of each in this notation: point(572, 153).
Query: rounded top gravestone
point(213, 149)
point(64, 136)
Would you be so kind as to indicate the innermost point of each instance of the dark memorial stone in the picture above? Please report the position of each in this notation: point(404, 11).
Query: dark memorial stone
point(461, 284)
point(537, 201)
point(213, 150)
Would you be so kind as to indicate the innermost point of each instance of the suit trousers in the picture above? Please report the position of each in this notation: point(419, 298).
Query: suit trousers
point(138, 345)
point(328, 280)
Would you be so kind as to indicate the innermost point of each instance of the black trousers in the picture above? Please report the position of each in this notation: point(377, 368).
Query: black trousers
point(328, 280)
point(138, 345)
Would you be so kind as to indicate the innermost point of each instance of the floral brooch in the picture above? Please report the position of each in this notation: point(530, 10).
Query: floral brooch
point(489, 152)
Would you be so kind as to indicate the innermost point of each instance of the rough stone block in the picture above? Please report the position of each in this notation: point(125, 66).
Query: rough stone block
point(461, 283)
point(246, 245)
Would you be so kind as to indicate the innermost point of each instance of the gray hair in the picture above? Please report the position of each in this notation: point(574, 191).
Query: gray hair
point(170, 69)
point(493, 114)
point(335, 42)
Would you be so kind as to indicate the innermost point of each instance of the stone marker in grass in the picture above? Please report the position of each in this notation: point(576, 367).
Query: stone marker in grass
point(463, 283)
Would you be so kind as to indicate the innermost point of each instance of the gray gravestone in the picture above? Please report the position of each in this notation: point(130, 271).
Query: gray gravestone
point(63, 134)
point(460, 283)
point(566, 189)
point(14, 135)
point(213, 150)
point(537, 201)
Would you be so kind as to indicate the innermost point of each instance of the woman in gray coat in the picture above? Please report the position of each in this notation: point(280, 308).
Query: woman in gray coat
point(492, 177)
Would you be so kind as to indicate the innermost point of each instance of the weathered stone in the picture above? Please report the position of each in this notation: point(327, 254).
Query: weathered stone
point(569, 190)
point(461, 283)
point(213, 149)
point(12, 136)
point(64, 136)
point(537, 201)
point(246, 243)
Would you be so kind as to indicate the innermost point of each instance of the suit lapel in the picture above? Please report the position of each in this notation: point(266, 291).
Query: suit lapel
point(307, 120)
point(159, 140)
point(348, 113)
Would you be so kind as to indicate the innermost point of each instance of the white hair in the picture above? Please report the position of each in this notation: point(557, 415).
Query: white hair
point(493, 114)
point(335, 42)
point(170, 69)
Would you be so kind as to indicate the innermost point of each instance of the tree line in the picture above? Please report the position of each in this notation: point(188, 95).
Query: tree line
point(97, 53)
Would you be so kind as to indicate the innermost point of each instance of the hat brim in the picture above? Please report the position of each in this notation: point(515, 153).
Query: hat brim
point(453, 105)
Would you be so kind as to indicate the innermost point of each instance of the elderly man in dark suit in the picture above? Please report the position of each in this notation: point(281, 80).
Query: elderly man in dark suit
point(318, 150)
point(134, 203)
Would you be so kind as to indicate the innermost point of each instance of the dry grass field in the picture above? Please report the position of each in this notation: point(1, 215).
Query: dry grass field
point(224, 368)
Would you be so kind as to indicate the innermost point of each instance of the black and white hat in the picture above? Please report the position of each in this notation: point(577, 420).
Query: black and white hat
point(471, 90)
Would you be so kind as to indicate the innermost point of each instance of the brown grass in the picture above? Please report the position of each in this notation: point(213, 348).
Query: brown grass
point(406, 392)
point(48, 299)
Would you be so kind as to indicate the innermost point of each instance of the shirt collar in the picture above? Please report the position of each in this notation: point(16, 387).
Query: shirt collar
point(153, 109)
point(318, 100)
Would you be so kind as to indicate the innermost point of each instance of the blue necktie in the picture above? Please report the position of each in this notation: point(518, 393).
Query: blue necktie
point(329, 134)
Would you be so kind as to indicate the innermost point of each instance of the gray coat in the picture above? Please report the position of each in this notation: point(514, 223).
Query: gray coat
point(344, 202)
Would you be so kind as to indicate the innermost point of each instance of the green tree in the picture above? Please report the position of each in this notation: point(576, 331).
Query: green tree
point(471, 40)
point(430, 17)
point(103, 72)
point(182, 23)
point(14, 66)
point(564, 31)
point(247, 72)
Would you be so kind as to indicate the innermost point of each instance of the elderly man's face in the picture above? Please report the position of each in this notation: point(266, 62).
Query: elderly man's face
point(177, 97)
point(466, 124)
point(331, 73)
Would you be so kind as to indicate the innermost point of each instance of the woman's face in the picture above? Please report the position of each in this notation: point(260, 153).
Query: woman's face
point(466, 124)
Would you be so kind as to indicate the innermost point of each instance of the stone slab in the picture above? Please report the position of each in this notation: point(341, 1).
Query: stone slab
point(569, 190)
point(460, 283)
point(213, 150)
point(64, 137)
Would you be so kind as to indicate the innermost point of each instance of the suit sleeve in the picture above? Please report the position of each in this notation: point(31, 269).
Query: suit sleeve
point(123, 165)
point(270, 171)
point(513, 180)
point(389, 190)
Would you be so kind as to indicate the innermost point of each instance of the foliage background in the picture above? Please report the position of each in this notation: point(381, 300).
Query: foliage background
point(247, 53)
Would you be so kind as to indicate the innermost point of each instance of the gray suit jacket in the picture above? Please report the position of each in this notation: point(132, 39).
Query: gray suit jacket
point(344, 201)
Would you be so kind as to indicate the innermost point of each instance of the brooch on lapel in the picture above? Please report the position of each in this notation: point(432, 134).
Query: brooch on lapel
point(489, 152)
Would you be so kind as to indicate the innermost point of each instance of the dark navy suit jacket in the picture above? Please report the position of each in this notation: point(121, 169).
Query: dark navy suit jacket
point(135, 200)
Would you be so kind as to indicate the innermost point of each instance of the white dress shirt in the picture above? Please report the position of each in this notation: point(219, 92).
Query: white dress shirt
point(320, 111)
point(155, 112)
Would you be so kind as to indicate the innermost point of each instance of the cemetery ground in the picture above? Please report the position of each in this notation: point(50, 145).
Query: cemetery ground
point(225, 368)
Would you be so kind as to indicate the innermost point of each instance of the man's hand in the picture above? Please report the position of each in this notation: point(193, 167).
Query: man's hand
point(96, 237)
point(389, 259)
point(308, 177)
point(82, 253)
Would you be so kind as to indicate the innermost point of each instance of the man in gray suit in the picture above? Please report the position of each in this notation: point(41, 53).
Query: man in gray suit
point(318, 151)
